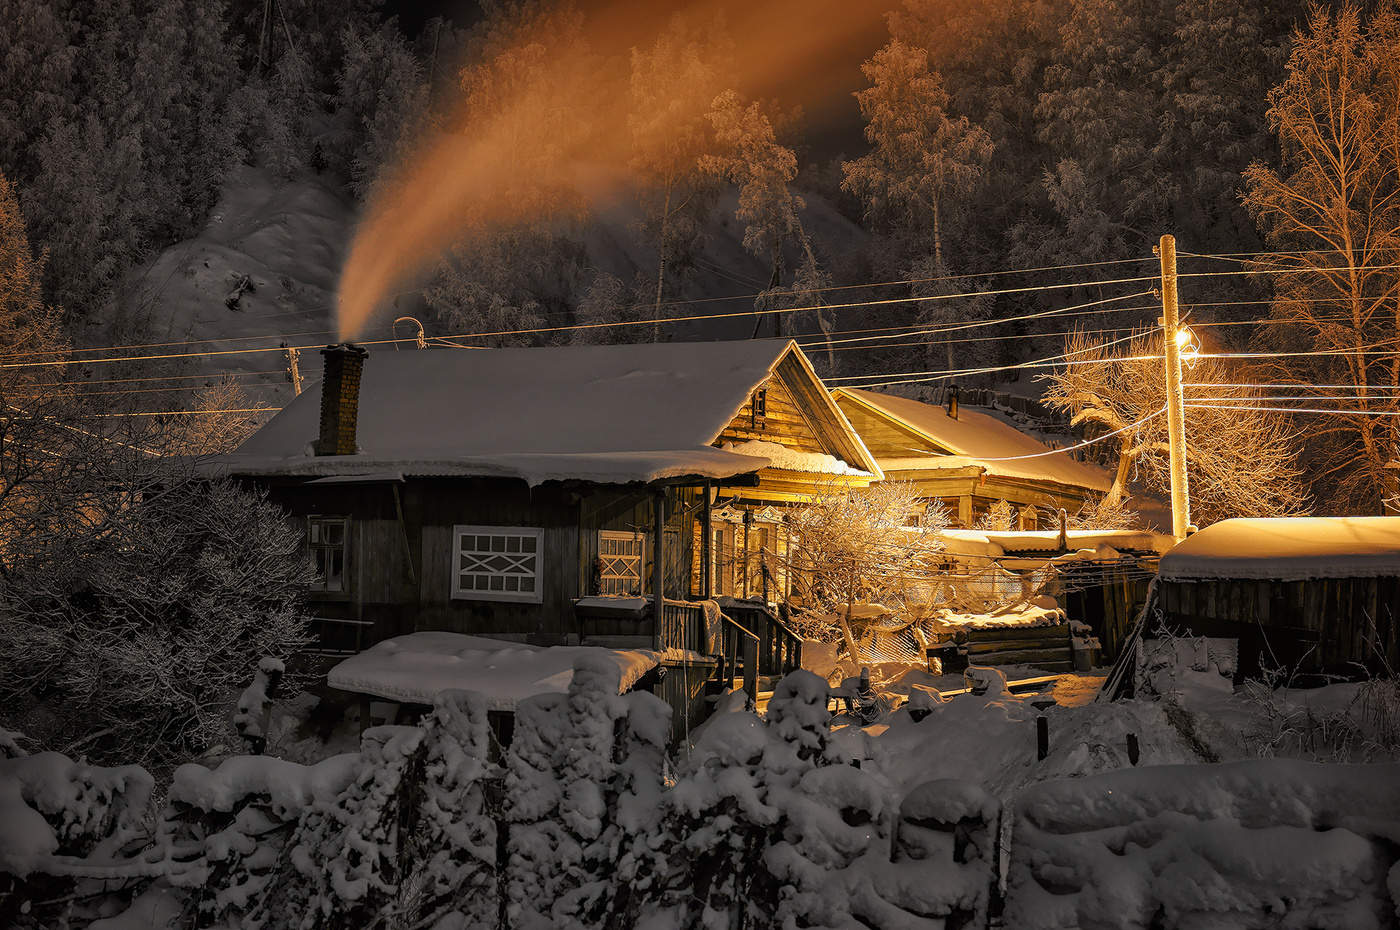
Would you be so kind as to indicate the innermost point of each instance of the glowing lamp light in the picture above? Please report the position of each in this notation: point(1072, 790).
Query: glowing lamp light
point(1186, 341)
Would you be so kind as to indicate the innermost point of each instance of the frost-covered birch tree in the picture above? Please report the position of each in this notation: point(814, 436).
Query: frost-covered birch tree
point(922, 157)
point(1330, 204)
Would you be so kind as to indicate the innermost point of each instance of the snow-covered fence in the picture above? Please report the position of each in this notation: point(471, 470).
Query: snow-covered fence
point(56, 815)
point(1264, 843)
point(582, 825)
point(224, 830)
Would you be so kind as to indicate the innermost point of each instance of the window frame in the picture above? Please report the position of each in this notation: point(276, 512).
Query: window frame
point(455, 570)
point(642, 539)
point(318, 585)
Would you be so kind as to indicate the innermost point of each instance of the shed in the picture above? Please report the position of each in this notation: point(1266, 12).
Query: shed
point(1309, 593)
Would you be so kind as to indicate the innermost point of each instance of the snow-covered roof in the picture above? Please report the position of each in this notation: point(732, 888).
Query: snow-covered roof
point(1288, 549)
point(416, 667)
point(621, 413)
point(974, 439)
point(1049, 540)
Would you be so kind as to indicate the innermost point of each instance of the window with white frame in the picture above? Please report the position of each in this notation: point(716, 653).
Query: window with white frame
point(497, 563)
point(326, 537)
point(623, 556)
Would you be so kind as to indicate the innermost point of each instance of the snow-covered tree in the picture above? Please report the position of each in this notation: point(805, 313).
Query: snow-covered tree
point(1241, 461)
point(748, 155)
point(1332, 207)
point(922, 158)
point(673, 82)
point(731, 804)
point(453, 850)
point(532, 798)
point(849, 546)
point(132, 663)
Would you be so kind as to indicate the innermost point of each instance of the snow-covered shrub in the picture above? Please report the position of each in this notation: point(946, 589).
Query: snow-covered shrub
point(1262, 843)
point(532, 797)
point(729, 807)
point(133, 630)
point(224, 830)
point(454, 847)
point(255, 701)
point(51, 809)
point(346, 864)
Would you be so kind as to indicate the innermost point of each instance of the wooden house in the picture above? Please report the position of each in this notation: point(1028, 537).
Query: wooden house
point(969, 460)
point(1309, 593)
point(489, 491)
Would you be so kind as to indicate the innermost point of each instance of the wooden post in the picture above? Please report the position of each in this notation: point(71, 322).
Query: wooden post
point(1173, 336)
point(658, 565)
point(707, 556)
point(744, 571)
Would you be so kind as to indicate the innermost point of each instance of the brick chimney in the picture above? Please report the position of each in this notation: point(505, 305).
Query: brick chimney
point(952, 401)
point(340, 398)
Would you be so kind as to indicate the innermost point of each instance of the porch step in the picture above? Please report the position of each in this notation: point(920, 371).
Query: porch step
point(1022, 656)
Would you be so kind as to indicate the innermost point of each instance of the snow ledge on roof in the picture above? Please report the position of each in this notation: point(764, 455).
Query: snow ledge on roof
point(1288, 549)
point(786, 459)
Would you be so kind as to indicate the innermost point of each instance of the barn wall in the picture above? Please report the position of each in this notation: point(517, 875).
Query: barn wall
point(1319, 624)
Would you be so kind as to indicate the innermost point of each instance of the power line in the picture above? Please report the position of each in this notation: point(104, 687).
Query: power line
point(1087, 442)
point(1322, 410)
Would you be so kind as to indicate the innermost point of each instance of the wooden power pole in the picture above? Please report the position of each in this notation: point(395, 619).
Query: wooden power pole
point(1176, 412)
point(293, 356)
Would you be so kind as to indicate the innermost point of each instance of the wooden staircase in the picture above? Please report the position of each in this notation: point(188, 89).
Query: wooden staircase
point(1043, 647)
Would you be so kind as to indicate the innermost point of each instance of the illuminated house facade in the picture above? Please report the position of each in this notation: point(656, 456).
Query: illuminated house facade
point(488, 491)
point(970, 460)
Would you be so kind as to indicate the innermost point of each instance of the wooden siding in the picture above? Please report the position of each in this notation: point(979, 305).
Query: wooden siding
point(883, 437)
point(1323, 624)
point(785, 423)
point(399, 573)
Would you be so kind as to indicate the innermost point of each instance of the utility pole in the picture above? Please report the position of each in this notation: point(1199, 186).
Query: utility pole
point(292, 369)
point(1176, 413)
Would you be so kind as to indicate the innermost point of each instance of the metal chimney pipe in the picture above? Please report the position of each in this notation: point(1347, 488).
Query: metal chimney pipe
point(340, 398)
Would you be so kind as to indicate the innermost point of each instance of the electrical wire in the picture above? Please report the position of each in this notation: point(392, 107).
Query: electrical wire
point(1081, 445)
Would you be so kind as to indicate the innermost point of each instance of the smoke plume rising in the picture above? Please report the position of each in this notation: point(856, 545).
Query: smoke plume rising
point(543, 125)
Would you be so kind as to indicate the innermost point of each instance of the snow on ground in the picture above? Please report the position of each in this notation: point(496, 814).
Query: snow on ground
point(415, 668)
point(1262, 843)
point(288, 239)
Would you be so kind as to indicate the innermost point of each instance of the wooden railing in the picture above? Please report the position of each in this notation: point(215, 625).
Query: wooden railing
point(683, 626)
point(738, 655)
point(779, 648)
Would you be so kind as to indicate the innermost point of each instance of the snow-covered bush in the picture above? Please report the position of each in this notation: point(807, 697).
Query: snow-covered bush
point(131, 632)
point(224, 830)
point(730, 805)
point(454, 847)
point(53, 811)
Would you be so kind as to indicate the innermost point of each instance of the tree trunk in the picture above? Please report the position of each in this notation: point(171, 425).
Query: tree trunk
point(851, 648)
point(661, 265)
point(1118, 490)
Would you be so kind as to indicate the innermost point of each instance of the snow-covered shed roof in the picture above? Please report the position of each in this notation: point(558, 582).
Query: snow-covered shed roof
point(611, 414)
point(1288, 549)
point(1016, 541)
point(974, 439)
point(416, 667)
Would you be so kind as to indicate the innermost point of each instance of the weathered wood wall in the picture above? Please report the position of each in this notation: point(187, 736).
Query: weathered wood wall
point(399, 571)
point(1321, 624)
